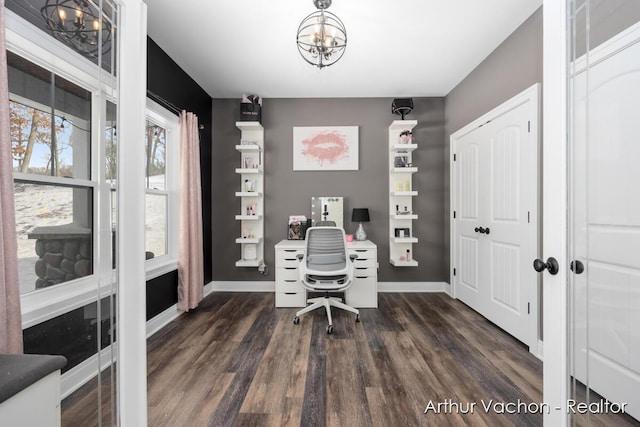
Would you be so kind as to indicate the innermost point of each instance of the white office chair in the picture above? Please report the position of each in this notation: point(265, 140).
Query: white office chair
point(326, 267)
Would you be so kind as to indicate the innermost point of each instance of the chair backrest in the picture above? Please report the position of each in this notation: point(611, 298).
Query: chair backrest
point(325, 224)
point(326, 249)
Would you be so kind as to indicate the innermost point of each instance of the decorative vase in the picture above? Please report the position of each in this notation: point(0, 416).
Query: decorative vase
point(360, 234)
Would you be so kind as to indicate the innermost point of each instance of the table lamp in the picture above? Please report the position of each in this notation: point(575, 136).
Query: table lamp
point(360, 215)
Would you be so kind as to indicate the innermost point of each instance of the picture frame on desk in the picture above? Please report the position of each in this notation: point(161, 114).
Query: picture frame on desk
point(297, 227)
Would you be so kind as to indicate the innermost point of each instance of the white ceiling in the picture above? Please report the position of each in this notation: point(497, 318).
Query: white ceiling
point(401, 48)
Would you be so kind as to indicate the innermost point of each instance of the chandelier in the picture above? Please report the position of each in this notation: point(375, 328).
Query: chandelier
point(77, 23)
point(322, 37)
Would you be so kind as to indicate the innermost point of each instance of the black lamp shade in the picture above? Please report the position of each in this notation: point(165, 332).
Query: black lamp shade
point(360, 215)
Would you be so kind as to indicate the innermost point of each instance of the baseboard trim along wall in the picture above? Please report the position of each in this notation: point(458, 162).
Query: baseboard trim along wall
point(77, 376)
point(414, 287)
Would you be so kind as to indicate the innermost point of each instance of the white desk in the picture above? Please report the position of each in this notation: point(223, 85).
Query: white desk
point(363, 292)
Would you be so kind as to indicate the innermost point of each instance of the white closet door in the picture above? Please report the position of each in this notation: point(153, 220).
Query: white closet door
point(495, 230)
point(471, 206)
point(511, 243)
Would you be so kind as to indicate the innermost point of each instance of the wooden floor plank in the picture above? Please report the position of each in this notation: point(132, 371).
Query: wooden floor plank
point(239, 361)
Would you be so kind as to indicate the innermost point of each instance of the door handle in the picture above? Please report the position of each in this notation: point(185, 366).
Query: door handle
point(551, 265)
point(481, 230)
point(577, 267)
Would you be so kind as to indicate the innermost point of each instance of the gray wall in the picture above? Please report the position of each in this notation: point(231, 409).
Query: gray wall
point(606, 19)
point(511, 68)
point(288, 192)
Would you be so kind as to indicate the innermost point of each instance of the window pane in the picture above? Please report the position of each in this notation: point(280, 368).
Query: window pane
point(50, 122)
point(155, 143)
point(156, 225)
point(55, 227)
point(111, 143)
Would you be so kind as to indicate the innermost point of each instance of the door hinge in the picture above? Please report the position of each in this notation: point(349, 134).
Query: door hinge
point(454, 271)
point(528, 217)
point(529, 126)
point(528, 308)
point(454, 214)
point(454, 157)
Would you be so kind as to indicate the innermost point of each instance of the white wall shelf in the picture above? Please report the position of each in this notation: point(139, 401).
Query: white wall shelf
point(251, 194)
point(248, 193)
point(404, 193)
point(405, 170)
point(250, 240)
point(401, 193)
point(404, 216)
point(252, 171)
point(248, 217)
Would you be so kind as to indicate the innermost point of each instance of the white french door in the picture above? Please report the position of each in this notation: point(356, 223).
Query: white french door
point(495, 228)
point(591, 213)
point(604, 322)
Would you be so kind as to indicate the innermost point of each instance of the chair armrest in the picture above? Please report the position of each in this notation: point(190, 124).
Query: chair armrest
point(353, 256)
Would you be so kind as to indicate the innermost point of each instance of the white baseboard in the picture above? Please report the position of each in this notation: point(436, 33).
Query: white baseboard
point(161, 320)
point(540, 354)
point(413, 287)
point(244, 286)
point(77, 376)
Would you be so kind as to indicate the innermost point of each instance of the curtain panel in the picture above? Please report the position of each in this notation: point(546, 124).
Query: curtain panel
point(190, 254)
point(10, 317)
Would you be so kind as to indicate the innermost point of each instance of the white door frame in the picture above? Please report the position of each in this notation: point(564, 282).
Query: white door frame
point(554, 216)
point(532, 96)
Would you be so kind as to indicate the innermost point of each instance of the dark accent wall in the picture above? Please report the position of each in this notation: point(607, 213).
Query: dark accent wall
point(511, 68)
point(288, 192)
point(166, 79)
point(73, 334)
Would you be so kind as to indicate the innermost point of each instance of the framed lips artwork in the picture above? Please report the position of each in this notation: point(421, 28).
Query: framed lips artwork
point(325, 148)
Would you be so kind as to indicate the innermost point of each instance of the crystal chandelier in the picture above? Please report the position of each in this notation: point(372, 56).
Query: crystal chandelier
point(78, 24)
point(322, 37)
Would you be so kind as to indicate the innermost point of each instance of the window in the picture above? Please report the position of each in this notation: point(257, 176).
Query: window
point(161, 170)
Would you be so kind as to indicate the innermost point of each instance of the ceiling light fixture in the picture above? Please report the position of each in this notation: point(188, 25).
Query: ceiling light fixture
point(322, 37)
point(77, 23)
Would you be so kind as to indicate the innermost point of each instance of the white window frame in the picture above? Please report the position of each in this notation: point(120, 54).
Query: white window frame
point(35, 46)
point(162, 117)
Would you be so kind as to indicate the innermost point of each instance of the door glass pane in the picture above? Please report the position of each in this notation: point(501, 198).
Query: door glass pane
point(604, 286)
point(55, 234)
point(50, 122)
point(156, 225)
point(92, 34)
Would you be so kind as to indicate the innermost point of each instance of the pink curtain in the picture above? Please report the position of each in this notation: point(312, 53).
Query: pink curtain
point(10, 318)
point(190, 256)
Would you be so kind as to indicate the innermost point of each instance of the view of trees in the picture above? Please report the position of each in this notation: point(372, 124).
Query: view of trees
point(31, 136)
point(155, 145)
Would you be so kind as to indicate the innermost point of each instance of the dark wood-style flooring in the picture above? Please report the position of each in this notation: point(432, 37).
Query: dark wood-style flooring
point(239, 361)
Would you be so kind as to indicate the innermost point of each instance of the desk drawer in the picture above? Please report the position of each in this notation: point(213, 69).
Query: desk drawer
point(288, 258)
point(289, 286)
point(364, 272)
point(287, 273)
point(363, 293)
point(362, 262)
point(291, 299)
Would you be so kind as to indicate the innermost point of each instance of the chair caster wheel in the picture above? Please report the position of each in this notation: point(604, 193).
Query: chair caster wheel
point(296, 320)
point(330, 329)
point(357, 317)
